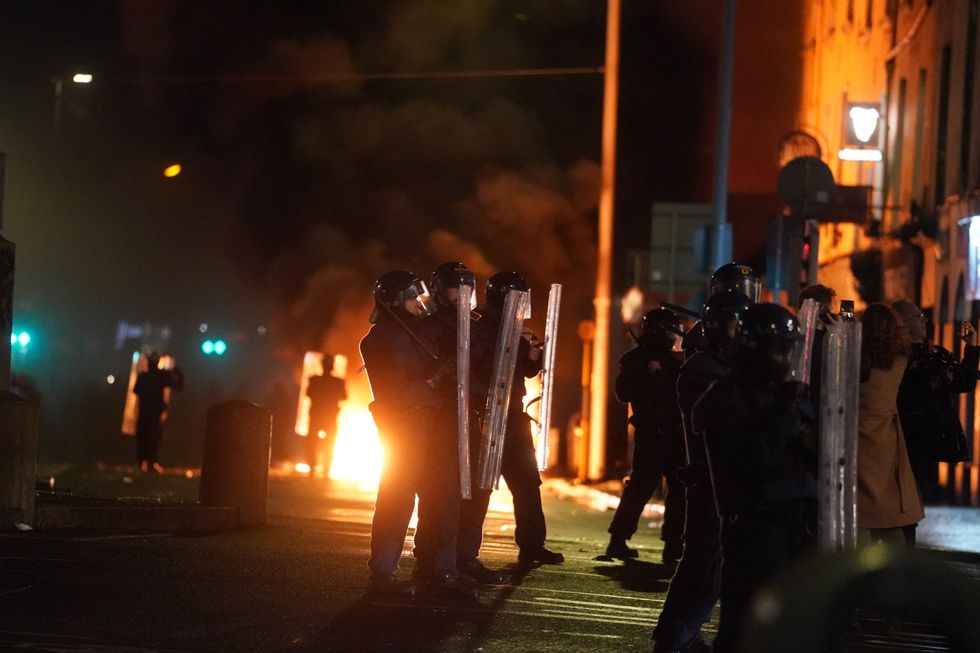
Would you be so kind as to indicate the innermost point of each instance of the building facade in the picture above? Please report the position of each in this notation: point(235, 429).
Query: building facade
point(915, 61)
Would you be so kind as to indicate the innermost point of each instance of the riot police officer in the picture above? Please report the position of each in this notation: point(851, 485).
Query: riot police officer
point(399, 355)
point(646, 381)
point(761, 450)
point(694, 588)
point(444, 284)
point(518, 465)
point(737, 277)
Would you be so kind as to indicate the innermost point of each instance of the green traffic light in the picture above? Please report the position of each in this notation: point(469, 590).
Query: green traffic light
point(220, 347)
point(207, 347)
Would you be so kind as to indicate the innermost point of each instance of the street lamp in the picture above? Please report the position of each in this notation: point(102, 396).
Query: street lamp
point(861, 133)
point(59, 87)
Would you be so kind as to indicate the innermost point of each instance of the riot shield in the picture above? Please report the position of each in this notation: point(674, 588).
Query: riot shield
point(838, 436)
point(463, 388)
point(516, 307)
point(547, 375)
point(808, 326)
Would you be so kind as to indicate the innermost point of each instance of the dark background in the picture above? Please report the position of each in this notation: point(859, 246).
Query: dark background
point(297, 192)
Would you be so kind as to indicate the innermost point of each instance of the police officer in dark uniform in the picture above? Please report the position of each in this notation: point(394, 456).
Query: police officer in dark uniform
point(761, 448)
point(420, 452)
point(518, 465)
point(444, 285)
point(737, 277)
point(647, 380)
point(696, 583)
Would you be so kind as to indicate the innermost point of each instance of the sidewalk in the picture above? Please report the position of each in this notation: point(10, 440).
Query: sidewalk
point(119, 498)
point(948, 529)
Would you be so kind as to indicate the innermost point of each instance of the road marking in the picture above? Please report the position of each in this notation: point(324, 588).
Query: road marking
point(14, 591)
point(618, 606)
point(571, 633)
point(604, 619)
point(626, 597)
point(102, 538)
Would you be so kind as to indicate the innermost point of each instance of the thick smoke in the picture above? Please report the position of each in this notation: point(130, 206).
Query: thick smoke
point(336, 183)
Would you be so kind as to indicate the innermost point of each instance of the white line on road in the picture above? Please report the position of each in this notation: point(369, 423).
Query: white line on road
point(618, 606)
point(628, 597)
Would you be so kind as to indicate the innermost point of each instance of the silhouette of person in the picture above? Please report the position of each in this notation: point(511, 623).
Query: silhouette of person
point(325, 393)
point(149, 388)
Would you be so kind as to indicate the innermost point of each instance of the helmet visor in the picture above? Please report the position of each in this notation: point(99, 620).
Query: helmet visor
point(424, 299)
point(784, 355)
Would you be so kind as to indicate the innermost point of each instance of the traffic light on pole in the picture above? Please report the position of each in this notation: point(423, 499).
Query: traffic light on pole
point(805, 262)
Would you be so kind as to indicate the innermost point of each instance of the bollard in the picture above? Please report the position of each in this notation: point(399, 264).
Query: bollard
point(18, 462)
point(235, 469)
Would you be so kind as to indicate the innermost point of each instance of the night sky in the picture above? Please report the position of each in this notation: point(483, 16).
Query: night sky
point(297, 192)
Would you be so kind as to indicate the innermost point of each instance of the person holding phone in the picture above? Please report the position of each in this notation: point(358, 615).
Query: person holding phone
point(928, 401)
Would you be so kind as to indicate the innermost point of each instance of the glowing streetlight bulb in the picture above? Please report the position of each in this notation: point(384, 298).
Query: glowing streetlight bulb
point(82, 78)
point(172, 170)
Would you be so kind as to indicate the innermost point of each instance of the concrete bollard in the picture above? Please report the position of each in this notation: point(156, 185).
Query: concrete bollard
point(235, 469)
point(18, 460)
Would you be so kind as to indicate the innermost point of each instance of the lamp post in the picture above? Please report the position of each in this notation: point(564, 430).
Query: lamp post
point(59, 90)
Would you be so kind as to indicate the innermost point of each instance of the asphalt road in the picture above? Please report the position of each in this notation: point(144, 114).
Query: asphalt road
point(298, 584)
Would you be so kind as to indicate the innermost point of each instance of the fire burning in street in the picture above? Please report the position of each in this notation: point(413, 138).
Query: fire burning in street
point(357, 454)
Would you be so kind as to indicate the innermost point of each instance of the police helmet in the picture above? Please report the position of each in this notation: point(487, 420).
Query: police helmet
point(658, 328)
point(393, 289)
point(733, 276)
point(448, 277)
point(657, 321)
point(770, 342)
point(693, 339)
point(500, 284)
point(718, 315)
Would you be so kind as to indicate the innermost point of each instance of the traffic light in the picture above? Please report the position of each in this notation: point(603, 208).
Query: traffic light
point(215, 347)
point(22, 338)
point(805, 262)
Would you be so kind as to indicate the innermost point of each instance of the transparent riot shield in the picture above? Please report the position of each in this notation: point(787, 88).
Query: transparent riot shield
point(516, 307)
point(463, 388)
point(808, 325)
point(838, 435)
point(547, 375)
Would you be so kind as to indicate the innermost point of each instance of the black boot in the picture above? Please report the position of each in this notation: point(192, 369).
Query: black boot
point(618, 549)
point(539, 555)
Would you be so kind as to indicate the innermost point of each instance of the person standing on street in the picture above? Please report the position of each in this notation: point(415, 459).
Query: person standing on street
point(928, 401)
point(325, 392)
point(518, 466)
point(696, 583)
point(420, 453)
point(757, 429)
point(888, 499)
point(150, 389)
point(647, 381)
point(444, 285)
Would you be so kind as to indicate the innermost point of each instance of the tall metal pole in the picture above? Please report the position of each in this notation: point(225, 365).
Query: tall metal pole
point(603, 282)
point(721, 239)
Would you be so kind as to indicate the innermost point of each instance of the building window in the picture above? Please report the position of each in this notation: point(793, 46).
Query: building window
point(896, 156)
point(920, 120)
point(968, 72)
point(942, 126)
